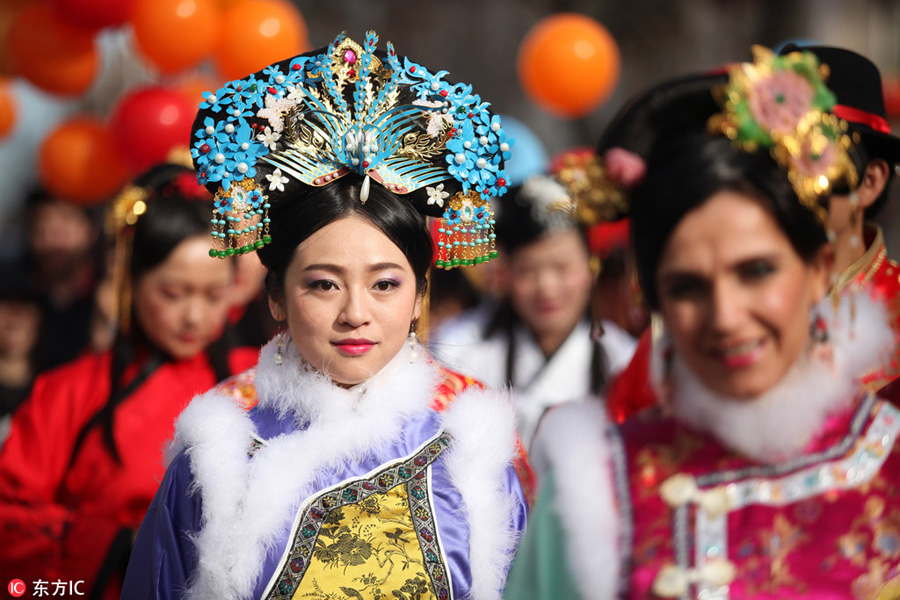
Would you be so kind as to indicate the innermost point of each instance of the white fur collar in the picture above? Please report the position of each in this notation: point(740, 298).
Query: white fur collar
point(248, 503)
point(780, 423)
point(296, 389)
point(572, 441)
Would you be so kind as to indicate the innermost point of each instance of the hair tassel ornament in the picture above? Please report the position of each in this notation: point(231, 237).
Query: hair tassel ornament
point(240, 219)
point(466, 234)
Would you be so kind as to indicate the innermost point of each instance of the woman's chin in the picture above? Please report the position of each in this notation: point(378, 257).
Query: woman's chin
point(743, 387)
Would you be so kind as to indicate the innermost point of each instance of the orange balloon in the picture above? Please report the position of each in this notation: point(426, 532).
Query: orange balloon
point(79, 161)
point(258, 33)
point(7, 108)
point(175, 34)
point(54, 55)
point(568, 64)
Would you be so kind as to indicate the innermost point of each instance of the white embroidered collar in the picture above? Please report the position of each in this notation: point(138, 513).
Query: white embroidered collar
point(781, 422)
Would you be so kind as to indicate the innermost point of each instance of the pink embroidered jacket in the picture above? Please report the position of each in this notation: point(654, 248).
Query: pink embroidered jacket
point(709, 524)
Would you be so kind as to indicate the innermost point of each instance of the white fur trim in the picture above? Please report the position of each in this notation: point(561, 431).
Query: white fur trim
point(781, 422)
point(247, 503)
point(482, 424)
point(572, 443)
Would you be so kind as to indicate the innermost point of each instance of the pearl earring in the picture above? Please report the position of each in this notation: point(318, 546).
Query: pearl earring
point(854, 206)
point(278, 357)
point(413, 346)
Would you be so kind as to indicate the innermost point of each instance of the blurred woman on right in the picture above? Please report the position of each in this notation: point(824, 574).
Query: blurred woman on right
point(770, 473)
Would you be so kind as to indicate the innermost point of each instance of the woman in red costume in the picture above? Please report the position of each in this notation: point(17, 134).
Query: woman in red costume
point(769, 472)
point(84, 456)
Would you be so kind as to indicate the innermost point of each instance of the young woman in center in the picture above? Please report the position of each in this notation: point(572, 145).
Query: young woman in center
point(362, 469)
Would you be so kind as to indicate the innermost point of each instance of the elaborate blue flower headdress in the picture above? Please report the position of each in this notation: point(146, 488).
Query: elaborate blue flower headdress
point(351, 109)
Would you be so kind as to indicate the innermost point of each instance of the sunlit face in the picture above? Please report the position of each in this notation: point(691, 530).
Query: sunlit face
point(349, 300)
point(182, 303)
point(735, 295)
point(550, 283)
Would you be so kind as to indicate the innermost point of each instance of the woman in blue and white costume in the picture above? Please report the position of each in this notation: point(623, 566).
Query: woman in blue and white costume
point(349, 464)
point(538, 341)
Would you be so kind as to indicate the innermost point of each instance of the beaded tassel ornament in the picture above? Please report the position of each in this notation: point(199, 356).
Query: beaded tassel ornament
point(240, 220)
point(350, 109)
point(466, 236)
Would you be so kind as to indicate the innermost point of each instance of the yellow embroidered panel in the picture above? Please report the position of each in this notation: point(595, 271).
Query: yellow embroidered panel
point(369, 537)
point(368, 550)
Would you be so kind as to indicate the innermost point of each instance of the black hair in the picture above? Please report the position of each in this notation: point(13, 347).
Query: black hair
point(302, 211)
point(173, 215)
point(520, 223)
point(686, 164)
point(867, 150)
point(684, 172)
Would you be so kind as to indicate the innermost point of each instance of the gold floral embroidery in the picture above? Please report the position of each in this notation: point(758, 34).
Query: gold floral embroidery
point(867, 586)
point(655, 463)
point(890, 590)
point(370, 537)
point(781, 541)
point(368, 550)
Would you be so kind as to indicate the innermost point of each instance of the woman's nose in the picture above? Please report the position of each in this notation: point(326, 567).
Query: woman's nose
point(355, 309)
point(727, 307)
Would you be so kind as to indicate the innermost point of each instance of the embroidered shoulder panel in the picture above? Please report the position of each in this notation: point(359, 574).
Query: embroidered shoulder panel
point(240, 387)
point(370, 536)
point(451, 385)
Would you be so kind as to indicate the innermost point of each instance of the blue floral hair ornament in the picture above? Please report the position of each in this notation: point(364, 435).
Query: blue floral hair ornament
point(348, 109)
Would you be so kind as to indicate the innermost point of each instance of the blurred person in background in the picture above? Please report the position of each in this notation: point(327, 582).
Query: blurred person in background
point(84, 454)
point(64, 269)
point(453, 295)
point(538, 340)
point(249, 316)
point(861, 264)
point(20, 323)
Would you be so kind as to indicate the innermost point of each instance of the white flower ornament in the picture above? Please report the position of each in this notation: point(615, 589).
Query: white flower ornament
point(269, 138)
point(437, 195)
point(277, 180)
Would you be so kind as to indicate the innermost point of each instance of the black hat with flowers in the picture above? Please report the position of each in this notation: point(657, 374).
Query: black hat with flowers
point(856, 82)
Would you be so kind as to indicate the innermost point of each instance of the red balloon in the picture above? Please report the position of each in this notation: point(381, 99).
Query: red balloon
point(51, 53)
point(149, 122)
point(258, 33)
point(7, 108)
point(94, 14)
point(176, 34)
point(568, 63)
point(79, 161)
